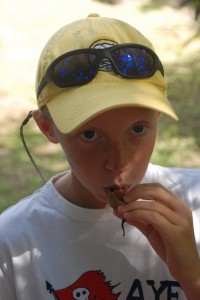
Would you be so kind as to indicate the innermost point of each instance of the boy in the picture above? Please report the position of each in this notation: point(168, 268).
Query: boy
point(101, 89)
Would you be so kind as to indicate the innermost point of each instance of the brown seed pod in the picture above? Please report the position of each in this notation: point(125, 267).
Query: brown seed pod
point(115, 198)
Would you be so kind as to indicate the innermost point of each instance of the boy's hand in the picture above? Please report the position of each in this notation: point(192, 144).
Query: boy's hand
point(167, 223)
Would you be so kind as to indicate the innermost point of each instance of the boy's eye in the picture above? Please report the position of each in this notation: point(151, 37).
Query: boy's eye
point(139, 129)
point(89, 135)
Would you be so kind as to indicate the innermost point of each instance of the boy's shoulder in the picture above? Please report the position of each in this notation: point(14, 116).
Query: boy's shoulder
point(15, 217)
point(37, 201)
point(183, 182)
point(154, 169)
point(18, 217)
point(157, 171)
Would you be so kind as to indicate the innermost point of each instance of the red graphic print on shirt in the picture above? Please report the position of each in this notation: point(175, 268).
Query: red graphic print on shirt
point(92, 285)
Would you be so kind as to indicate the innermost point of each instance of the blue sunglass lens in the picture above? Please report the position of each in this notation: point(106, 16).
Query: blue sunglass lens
point(133, 62)
point(77, 68)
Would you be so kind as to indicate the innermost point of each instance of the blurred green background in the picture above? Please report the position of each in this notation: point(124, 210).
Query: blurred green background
point(25, 28)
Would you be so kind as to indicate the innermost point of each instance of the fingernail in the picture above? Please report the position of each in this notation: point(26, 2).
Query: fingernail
point(121, 208)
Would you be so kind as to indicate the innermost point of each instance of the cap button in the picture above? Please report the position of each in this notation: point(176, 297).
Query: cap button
point(93, 15)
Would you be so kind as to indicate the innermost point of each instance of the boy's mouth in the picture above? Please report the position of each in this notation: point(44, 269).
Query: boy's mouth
point(113, 188)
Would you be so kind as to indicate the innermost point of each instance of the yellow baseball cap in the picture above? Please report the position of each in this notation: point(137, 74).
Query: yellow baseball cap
point(71, 107)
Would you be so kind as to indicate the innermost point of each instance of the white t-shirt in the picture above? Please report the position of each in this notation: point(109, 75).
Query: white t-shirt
point(51, 249)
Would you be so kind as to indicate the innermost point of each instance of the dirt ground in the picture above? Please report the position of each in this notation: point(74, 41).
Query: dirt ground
point(26, 26)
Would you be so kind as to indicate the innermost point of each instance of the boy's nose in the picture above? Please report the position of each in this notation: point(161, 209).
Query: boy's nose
point(117, 157)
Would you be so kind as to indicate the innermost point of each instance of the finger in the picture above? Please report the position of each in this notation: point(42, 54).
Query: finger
point(156, 192)
point(153, 207)
point(169, 228)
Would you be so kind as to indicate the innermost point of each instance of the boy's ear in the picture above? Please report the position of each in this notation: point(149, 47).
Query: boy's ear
point(45, 126)
point(159, 115)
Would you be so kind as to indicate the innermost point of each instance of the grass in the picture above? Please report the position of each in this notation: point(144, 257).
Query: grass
point(18, 177)
point(179, 143)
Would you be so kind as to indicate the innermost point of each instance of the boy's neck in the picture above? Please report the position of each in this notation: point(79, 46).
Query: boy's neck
point(69, 188)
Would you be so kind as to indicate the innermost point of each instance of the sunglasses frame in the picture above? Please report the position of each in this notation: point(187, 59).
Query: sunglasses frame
point(101, 54)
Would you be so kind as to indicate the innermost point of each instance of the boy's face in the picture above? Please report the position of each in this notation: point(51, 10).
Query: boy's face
point(111, 150)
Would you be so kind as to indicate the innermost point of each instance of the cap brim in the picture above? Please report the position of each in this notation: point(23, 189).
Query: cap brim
point(72, 108)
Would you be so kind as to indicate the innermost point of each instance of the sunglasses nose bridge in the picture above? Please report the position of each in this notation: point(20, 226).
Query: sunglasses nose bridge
point(105, 60)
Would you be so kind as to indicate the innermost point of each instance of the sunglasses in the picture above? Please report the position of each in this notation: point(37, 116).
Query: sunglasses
point(79, 67)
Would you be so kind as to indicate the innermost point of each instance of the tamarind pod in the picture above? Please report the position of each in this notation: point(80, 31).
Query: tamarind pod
point(120, 194)
point(113, 200)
